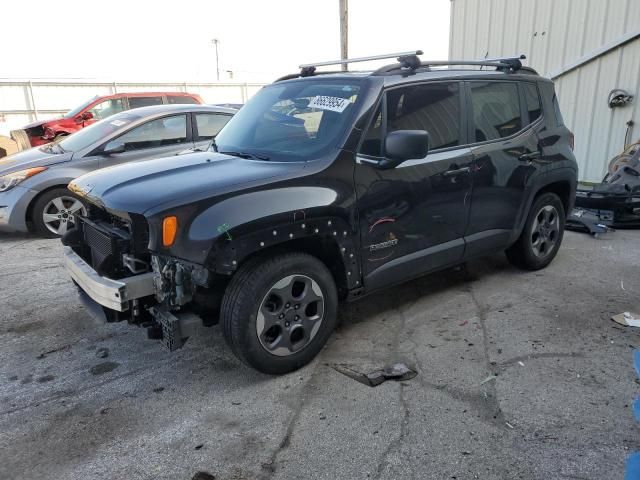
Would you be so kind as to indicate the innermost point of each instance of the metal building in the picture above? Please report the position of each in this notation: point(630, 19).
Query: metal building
point(588, 47)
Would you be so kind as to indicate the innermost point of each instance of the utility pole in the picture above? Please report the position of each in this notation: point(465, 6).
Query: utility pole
point(344, 32)
point(215, 42)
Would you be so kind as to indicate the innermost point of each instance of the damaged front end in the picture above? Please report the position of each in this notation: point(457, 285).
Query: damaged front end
point(177, 284)
point(119, 279)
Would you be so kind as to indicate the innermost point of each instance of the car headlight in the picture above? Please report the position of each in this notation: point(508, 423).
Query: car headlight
point(12, 179)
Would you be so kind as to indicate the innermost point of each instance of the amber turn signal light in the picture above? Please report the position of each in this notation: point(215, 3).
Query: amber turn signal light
point(169, 230)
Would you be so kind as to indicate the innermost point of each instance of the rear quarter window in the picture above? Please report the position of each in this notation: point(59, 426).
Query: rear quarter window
point(137, 102)
point(181, 100)
point(532, 101)
point(557, 112)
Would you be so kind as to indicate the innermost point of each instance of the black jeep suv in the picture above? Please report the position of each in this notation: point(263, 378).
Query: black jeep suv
point(324, 187)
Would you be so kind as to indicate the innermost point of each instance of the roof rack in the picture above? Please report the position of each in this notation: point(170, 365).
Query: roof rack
point(408, 63)
point(506, 64)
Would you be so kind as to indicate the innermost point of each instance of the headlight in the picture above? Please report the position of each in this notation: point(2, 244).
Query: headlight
point(12, 179)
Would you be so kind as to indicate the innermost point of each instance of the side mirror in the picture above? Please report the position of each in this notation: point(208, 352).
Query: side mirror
point(404, 145)
point(113, 147)
point(87, 116)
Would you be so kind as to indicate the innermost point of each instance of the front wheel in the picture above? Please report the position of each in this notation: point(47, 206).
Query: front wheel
point(54, 212)
point(278, 312)
point(542, 234)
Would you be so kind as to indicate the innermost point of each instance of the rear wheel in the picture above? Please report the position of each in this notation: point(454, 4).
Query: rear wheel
point(278, 312)
point(54, 212)
point(542, 234)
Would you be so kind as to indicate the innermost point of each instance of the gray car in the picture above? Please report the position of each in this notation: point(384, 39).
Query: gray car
point(33, 183)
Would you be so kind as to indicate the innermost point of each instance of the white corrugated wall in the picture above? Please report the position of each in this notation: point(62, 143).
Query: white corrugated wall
point(554, 34)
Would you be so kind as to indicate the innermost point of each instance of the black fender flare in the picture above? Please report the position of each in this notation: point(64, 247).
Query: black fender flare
point(558, 175)
point(231, 250)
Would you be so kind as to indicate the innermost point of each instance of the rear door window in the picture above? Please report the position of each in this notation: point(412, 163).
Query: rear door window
point(495, 109)
point(157, 133)
point(532, 101)
point(209, 124)
point(137, 102)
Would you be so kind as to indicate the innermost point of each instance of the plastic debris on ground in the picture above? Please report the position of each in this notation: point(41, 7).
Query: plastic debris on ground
point(488, 379)
point(397, 372)
point(627, 319)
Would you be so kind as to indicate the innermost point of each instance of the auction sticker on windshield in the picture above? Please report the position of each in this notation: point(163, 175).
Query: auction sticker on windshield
point(118, 123)
point(335, 104)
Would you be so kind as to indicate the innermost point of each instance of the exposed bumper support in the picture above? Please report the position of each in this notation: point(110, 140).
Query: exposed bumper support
point(113, 294)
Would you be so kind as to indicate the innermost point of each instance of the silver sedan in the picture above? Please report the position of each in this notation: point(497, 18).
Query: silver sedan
point(33, 183)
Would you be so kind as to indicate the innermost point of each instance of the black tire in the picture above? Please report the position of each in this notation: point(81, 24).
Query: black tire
point(21, 138)
point(246, 297)
point(44, 202)
point(524, 253)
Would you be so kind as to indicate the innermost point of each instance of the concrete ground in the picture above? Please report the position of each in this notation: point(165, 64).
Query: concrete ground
point(520, 376)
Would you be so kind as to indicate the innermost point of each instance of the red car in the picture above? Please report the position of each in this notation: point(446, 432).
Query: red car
point(45, 131)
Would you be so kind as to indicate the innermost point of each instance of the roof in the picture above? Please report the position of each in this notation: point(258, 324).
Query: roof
point(395, 78)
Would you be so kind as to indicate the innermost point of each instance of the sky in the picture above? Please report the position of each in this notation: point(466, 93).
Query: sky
point(140, 40)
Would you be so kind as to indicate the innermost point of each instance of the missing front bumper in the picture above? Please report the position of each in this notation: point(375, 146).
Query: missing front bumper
point(113, 294)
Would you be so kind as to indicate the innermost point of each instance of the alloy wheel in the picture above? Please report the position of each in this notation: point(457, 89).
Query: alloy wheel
point(290, 315)
point(59, 214)
point(545, 231)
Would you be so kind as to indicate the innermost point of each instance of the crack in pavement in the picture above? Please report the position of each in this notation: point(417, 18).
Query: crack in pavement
point(482, 311)
point(533, 356)
point(393, 445)
point(270, 467)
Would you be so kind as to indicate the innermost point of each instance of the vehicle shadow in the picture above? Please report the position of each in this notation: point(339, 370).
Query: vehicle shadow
point(13, 236)
point(405, 294)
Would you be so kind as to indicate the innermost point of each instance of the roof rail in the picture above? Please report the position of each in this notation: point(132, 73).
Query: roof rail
point(506, 64)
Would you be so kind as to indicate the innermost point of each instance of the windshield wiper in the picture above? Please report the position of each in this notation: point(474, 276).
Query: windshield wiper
point(251, 156)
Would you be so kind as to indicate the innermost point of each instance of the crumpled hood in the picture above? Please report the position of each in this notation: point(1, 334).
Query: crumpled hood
point(39, 123)
point(34, 157)
point(139, 187)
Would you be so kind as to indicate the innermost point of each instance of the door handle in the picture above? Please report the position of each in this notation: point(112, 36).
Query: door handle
point(525, 157)
point(457, 171)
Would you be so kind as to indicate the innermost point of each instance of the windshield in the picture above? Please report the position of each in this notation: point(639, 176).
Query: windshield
point(291, 122)
point(91, 134)
point(76, 111)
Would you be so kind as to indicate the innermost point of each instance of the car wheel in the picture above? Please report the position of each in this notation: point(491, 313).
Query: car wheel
point(21, 138)
point(54, 212)
point(542, 234)
point(278, 312)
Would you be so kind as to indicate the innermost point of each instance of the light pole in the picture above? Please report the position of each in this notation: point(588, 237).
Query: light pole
point(344, 31)
point(215, 42)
